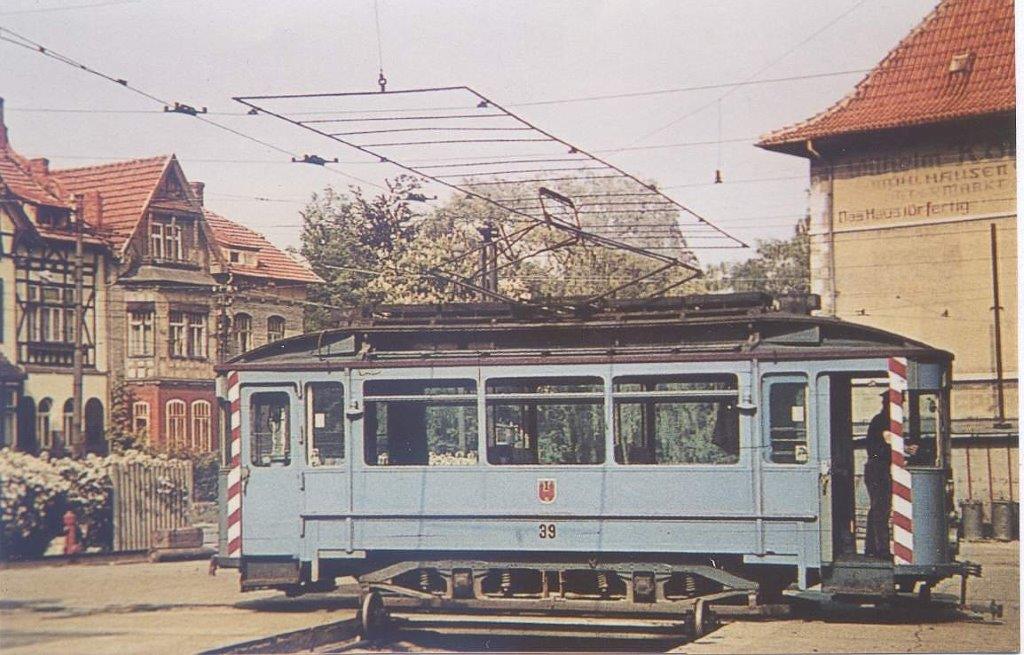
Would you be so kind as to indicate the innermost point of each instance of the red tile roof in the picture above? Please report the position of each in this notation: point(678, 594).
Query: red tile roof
point(125, 188)
point(913, 85)
point(16, 174)
point(271, 262)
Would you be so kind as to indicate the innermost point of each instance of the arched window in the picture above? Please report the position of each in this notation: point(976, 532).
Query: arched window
point(140, 419)
point(241, 329)
point(43, 433)
point(275, 329)
point(69, 421)
point(176, 437)
point(201, 441)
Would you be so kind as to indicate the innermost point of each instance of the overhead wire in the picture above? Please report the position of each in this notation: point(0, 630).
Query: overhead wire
point(760, 70)
point(23, 41)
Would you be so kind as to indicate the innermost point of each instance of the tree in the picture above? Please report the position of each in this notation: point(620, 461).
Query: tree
point(779, 267)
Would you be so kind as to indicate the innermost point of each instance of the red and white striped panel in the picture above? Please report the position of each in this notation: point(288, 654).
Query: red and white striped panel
point(902, 501)
point(235, 474)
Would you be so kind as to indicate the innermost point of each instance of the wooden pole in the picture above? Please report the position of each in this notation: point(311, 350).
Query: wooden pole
point(78, 363)
point(996, 308)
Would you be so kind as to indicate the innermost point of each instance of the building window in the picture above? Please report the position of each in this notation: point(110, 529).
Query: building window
point(197, 343)
point(242, 333)
point(545, 420)
point(275, 329)
point(177, 341)
point(176, 428)
point(201, 439)
point(43, 432)
point(69, 421)
point(165, 241)
point(234, 256)
point(140, 419)
point(140, 333)
point(50, 314)
point(187, 335)
point(680, 419)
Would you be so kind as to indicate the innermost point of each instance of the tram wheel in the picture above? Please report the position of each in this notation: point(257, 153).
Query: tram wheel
point(373, 615)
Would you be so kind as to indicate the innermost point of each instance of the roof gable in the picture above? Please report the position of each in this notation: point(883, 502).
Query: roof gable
point(19, 178)
point(958, 63)
point(271, 262)
point(125, 189)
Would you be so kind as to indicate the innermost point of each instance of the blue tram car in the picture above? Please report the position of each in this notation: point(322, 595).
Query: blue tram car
point(649, 457)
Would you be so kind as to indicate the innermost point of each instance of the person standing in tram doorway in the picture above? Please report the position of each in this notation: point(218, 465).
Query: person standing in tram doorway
point(878, 479)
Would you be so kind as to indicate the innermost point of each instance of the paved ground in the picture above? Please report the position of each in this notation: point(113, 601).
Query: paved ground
point(173, 607)
point(874, 631)
point(179, 608)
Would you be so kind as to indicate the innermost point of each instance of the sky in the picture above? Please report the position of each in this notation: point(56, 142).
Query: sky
point(516, 52)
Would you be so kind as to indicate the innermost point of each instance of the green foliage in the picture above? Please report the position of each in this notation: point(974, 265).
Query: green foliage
point(380, 250)
point(780, 266)
point(121, 435)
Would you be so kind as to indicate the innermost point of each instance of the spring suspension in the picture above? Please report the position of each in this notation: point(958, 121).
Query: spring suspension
point(424, 579)
point(602, 582)
point(690, 584)
point(506, 582)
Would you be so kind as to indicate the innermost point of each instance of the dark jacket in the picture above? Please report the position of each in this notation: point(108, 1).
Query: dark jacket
point(877, 448)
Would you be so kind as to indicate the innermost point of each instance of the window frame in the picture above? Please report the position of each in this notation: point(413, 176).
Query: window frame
point(248, 438)
point(236, 333)
point(144, 416)
point(275, 335)
point(44, 428)
point(318, 462)
point(677, 396)
point(171, 441)
point(140, 324)
point(767, 382)
point(197, 346)
point(202, 443)
point(598, 398)
point(455, 400)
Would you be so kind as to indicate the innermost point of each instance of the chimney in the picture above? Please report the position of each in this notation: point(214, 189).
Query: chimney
point(92, 209)
point(39, 166)
point(197, 191)
point(3, 127)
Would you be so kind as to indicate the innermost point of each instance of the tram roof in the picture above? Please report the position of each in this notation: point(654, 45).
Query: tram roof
point(706, 327)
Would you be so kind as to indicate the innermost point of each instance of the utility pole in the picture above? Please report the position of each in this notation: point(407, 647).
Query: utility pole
point(223, 297)
point(996, 308)
point(77, 441)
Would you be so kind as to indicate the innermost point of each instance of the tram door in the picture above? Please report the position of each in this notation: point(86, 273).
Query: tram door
point(271, 424)
point(853, 400)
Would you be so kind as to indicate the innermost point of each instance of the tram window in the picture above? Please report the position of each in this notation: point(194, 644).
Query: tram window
point(420, 423)
point(325, 423)
point(788, 422)
point(269, 440)
point(677, 420)
point(925, 426)
point(545, 421)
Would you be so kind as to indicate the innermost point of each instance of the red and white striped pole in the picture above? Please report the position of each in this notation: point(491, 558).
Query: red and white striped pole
point(902, 495)
point(235, 473)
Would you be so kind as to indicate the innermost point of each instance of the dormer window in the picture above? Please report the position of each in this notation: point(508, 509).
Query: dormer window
point(165, 240)
point(240, 257)
point(235, 256)
point(961, 63)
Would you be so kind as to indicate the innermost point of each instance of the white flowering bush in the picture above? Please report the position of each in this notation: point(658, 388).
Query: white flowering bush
point(36, 491)
point(32, 496)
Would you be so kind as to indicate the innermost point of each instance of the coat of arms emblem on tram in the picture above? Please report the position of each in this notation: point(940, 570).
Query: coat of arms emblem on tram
point(546, 490)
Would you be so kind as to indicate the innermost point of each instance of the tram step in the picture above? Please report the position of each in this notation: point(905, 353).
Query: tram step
point(859, 575)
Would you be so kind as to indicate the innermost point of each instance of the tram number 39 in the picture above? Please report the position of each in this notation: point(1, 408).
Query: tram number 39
point(547, 531)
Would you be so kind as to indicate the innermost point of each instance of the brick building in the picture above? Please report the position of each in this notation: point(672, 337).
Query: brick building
point(171, 288)
point(911, 175)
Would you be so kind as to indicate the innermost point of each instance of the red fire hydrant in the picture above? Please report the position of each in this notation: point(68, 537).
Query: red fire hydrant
point(71, 534)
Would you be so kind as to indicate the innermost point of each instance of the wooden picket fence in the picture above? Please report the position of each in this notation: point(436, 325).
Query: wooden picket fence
point(147, 498)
